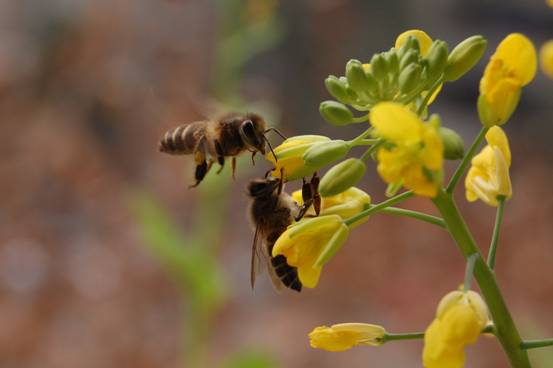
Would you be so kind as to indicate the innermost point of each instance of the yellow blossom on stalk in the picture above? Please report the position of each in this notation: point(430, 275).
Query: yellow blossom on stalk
point(424, 40)
point(511, 67)
point(346, 204)
point(290, 157)
point(488, 176)
point(459, 321)
point(413, 152)
point(344, 336)
point(546, 58)
point(311, 243)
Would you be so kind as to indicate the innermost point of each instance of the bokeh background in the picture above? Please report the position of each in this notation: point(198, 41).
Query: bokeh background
point(107, 260)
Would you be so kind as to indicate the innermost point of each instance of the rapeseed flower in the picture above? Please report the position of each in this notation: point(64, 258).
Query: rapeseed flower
point(459, 321)
point(413, 153)
point(546, 58)
point(344, 336)
point(511, 67)
point(290, 157)
point(309, 244)
point(488, 178)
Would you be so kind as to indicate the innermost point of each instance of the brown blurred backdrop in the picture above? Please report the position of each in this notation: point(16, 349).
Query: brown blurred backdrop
point(99, 237)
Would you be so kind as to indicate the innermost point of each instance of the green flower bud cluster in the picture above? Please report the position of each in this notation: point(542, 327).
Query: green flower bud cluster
point(405, 74)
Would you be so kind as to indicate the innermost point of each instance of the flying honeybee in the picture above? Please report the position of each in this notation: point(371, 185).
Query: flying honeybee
point(272, 211)
point(225, 137)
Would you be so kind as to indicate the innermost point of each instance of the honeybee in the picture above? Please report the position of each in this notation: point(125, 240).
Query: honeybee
point(272, 211)
point(225, 137)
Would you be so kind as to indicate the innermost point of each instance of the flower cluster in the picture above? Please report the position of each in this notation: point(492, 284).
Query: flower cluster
point(391, 94)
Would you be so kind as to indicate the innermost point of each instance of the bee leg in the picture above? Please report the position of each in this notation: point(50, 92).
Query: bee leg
point(233, 165)
point(281, 181)
point(307, 196)
point(253, 155)
point(220, 156)
point(201, 170)
point(316, 196)
point(268, 172)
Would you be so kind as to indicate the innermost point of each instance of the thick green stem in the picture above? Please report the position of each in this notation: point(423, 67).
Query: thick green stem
point(414, 214)
point(373, 209)
point(532, 344)
point(466, 160)
point(505, 328)
point(496, 229)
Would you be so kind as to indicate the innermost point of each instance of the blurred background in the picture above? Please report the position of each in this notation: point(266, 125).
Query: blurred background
point(108, 260)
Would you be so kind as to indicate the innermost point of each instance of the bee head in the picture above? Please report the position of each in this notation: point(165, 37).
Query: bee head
point(263, 187)
point(252, 131)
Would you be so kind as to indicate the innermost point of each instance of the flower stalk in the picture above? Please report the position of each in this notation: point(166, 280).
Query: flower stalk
point(496, 230)
point(505, 328)
point(466, 160)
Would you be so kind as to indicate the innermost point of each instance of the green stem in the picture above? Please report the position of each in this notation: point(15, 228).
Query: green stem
point(360, 119)
point(365, 142)
point(414, 214)
point(402, 336)
point(373, 209)
point(469, 271)
point(496, 228)
point(431, 91)
point(532, 344)
point(505, 328)
point(466, 160)
point(365, 156)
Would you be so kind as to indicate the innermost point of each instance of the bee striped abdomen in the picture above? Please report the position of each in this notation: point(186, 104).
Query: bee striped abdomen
point(286, 273)
point(183, 139)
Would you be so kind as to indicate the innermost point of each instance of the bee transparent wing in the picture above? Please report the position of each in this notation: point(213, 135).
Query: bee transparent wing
point(260, 260)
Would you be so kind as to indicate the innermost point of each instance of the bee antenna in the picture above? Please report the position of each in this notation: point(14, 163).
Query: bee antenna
point(276, 131)
point(271, 148)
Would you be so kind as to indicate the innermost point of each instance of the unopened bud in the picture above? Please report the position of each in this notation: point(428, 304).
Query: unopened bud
point(338, 89)
point(392, 61)
point(357, 78)
point(410, 57)
point(342, 177)
point(409, 78)
point(411, 43)
point(464, 57)
point(326, 153)
point(454, 147)
point(436, 60)
point(335, 113)
point(379, 68)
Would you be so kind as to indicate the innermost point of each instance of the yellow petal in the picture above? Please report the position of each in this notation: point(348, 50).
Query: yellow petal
point(424, 40)
point(344, 336)
point(309, 275)
point(497, 137)
point(395, 122)
point(546, 58)
point(519, 55)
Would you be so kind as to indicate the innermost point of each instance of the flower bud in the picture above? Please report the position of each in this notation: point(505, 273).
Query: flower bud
point(325, 153)
point(410, 57)
point(464, 57)
point(392, 61)
point(379, 68)
point(546, 58)
point(357, 78)
point(335, 113)
point(453, 144)
point(338, 89)
point(409, 78)
point(341, 177)
point(436, 59)
point(344, 336)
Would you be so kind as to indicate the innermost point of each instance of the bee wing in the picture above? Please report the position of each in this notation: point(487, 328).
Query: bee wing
point(261, 259)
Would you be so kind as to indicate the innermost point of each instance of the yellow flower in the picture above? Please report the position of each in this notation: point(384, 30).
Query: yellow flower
point(424, 40)
point(311, 243)
point(344, 336)
point(346, 204)
point(460, 318)
point(413, 152)
point(546, 58)
point(511, 67)
point(488, 177)
point(290, 156)
point(550, 3)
